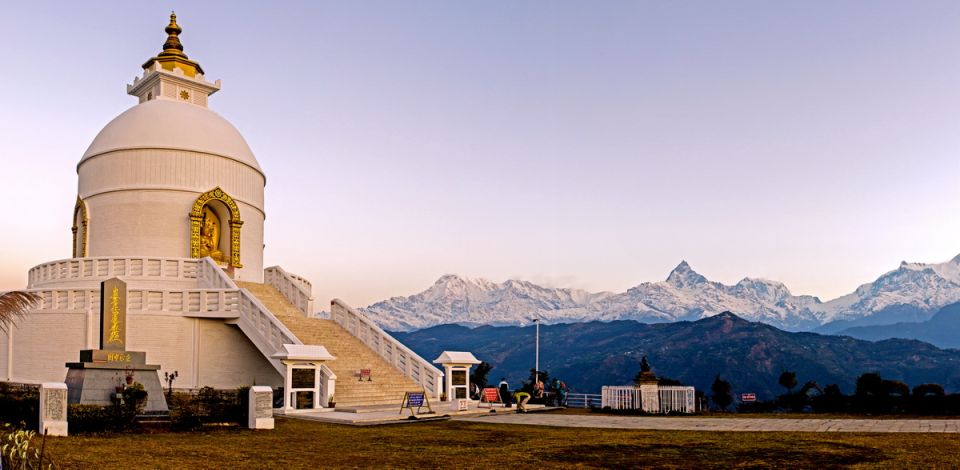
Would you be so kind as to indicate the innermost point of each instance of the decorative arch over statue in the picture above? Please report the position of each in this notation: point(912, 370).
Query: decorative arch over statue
point(80, 222)
point(205, 228)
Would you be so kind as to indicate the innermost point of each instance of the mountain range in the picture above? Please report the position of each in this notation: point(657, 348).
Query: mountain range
point(911, 293)
point(749, 355)
point(940, 330)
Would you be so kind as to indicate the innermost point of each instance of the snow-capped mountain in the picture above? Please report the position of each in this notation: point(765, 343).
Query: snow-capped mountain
point(455, 299)
point(914, 291)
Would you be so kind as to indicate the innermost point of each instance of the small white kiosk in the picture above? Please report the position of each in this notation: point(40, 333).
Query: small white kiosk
point(302, 381)
point(456, 368)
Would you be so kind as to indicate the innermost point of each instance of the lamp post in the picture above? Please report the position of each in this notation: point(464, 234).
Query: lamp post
point(536, 364)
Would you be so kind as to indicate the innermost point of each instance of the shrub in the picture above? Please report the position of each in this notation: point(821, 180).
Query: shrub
point(135, 398)
point(184, 413)
point(19, 404)
point(90, 418)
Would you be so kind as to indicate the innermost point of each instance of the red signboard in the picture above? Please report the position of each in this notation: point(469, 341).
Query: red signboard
point(748, 397)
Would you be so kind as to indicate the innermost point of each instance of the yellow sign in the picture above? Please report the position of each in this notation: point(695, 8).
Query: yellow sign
point(115, 317)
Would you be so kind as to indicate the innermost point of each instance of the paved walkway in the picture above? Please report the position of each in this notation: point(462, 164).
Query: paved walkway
point(392, 414)
point(723, 424)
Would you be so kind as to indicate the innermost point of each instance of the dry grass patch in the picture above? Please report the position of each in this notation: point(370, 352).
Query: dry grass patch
point(304, 444)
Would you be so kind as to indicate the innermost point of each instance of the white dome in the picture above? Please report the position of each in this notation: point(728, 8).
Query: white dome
point(168, 124)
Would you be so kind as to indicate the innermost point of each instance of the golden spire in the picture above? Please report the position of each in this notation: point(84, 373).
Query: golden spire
point(172, 56)
point(173, 47)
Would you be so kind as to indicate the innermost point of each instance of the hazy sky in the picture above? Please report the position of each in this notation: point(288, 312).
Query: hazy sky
point(575, 144)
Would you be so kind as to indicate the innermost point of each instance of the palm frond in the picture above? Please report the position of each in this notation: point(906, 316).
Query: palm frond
point(14, 305)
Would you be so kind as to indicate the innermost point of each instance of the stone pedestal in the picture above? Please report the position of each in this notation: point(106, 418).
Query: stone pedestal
point(650, 397)
point(53, 408)
point(260, 411)
point(95, 379)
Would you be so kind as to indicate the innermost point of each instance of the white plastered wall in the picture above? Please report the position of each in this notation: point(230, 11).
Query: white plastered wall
point(139, 200)
point(204, 352)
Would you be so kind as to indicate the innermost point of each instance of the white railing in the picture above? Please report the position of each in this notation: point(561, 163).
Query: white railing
point(263, 329)
point(208, 303)
point(328, 384)
point(305, 284)
point(668, 399)
point(400, 356)
point(676, 399)
point(98, 269)
point(583, 400)
point(260, 326)
point(293, 288)
point(621, 398)
point(211, 276)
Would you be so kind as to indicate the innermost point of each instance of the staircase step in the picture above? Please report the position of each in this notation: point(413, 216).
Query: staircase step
point(352, 355)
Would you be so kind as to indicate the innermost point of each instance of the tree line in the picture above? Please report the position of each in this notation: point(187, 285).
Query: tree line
point(873, 394)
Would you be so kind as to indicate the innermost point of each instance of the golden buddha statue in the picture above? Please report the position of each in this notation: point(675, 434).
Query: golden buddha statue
point(210, 236)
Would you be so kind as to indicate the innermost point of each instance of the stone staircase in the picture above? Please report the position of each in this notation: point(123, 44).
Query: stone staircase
point(387, 385)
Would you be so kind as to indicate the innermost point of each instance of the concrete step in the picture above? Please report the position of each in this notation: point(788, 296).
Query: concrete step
point(388, 384)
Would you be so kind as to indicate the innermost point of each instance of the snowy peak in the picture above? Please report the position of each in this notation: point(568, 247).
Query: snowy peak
point(684, 276)
point(684, 295)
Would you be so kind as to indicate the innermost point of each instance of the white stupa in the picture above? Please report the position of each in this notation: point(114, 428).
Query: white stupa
point(170, 200)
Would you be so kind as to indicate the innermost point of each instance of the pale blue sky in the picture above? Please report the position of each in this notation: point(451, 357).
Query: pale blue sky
point(576, 144)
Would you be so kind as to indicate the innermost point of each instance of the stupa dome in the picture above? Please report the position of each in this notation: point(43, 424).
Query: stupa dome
point(167, 124)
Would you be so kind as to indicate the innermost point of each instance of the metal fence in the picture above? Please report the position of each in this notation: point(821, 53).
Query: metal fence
point(665, 399)
point(584, 400)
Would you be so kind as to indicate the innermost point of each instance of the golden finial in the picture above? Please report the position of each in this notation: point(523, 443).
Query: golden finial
point(173, 47)
point(172, 56)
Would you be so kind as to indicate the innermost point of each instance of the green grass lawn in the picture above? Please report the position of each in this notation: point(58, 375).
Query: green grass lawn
point(304, 444)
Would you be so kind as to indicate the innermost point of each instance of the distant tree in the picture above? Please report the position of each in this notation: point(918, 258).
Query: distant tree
point(896, 388)
point(527, 385)
point(928, 390)
point(788, 380)
point(832, 390)
point(831, 400)
point(869, 385)
point(722, 395)
point(479, 375)
point(929, 399)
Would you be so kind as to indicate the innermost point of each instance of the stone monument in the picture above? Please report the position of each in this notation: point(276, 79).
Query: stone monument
point(53, 408)
point(649, 387)
point(260, 410)
point(102, 373)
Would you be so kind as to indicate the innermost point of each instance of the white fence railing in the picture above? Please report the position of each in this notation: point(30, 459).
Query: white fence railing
point(263, 329)
point(407, 361)
point(667, 399)
point(677, 399)
point(293, 288)
point(211, 276)
point(260, 326)
point(209, 303)
point(583, 400)
point(98, 269)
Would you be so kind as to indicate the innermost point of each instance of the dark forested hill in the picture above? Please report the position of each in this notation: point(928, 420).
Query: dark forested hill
point(942, 330)
point(749, 355)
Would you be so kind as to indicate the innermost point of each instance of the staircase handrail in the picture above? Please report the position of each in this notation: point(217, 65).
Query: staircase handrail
point(291, 288)
point(403, 358)
point(212, 276)
point(256, 321)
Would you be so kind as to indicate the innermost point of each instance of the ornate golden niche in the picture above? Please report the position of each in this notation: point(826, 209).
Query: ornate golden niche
point(80, 217)
point(205, 228)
